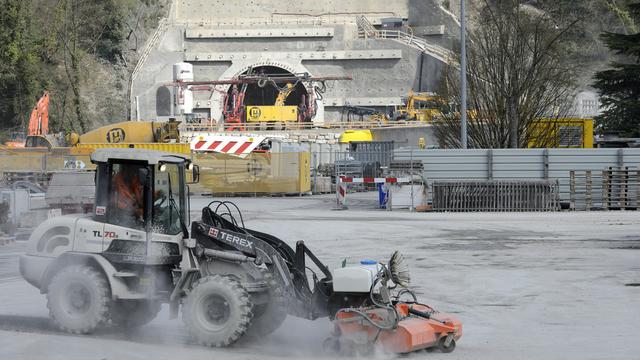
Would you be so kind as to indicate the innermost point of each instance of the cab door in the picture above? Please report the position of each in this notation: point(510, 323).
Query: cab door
point(125, 213)
point(122, 235)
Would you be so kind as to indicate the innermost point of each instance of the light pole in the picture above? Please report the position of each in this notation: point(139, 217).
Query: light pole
point(463, 75)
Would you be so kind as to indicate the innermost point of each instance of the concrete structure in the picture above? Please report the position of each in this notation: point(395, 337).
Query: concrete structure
point(223, 39)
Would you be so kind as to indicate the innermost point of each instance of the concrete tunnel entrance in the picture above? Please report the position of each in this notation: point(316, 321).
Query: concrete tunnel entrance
point(266, 95)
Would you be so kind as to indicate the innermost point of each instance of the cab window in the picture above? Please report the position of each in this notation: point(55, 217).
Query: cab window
point(166, 200)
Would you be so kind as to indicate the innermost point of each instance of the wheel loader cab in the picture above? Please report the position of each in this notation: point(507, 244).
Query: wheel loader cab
point(141, 198)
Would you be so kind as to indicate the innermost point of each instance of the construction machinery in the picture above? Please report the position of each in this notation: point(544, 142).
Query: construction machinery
point(234, 109)
point(422, 107)
point(373, 116)
point(119, 264)
point(126, 132)
point(235, 112)
point(38, 129)
point(278, 114)
point(129, 132)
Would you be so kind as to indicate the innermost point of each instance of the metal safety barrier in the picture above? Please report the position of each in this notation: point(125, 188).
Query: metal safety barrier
point(495, 195)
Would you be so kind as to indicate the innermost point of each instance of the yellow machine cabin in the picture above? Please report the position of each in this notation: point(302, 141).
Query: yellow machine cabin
point(272, 113)
point(276, 112)
point(561, 133)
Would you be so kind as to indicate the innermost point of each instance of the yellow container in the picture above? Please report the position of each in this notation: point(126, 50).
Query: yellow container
point(272, 113)
point(42, 160)
point(561, 133)
point(258, 173)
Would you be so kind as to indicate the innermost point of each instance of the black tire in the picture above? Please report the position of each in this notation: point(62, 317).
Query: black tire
point(275, 311)
point(134, 313)
point(446, 349)
point(217, 311)
point(78, 298)
point(331, 345)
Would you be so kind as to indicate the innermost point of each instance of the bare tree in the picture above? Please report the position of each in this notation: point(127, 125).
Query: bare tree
point(517, 74)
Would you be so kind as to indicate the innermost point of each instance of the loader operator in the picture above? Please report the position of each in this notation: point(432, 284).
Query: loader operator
point(128, 196)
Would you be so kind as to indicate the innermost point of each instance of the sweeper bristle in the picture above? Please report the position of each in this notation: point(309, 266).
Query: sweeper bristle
point(399, 269)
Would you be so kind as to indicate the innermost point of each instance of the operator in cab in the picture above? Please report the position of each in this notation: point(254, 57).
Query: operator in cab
point(128, 195)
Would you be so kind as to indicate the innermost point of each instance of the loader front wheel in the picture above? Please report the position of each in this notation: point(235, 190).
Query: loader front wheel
point(274, 312)
point(78, 299)
point(217, 311)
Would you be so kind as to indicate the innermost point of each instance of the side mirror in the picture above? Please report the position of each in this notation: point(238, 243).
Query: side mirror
point(143, 176)
point(195, 174)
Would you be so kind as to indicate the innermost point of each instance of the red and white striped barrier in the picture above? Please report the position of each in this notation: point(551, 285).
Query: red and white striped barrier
point(240, 146)
point(343, 181)
point(388, 180)
point(341, 194)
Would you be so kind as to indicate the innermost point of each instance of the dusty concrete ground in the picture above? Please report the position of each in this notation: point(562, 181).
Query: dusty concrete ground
point(526, 285)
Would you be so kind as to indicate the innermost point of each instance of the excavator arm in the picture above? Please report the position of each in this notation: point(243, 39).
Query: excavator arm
point(39, 119)
point(283, 94)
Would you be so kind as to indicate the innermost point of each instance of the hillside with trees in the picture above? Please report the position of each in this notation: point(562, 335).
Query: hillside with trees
point(81, 51)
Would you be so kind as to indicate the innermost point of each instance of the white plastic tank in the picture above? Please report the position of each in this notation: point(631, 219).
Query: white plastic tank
point(183, 96)
point(182, 71)
point(356, 278)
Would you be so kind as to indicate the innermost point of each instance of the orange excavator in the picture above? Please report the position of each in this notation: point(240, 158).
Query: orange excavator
point(39, 120)
point(38, 130)
point(38, 126)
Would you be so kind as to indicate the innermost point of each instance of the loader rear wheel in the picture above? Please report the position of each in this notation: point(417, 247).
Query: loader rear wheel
point(78, 299)
point(217, 311)
point(275, 311)
point(134, 313)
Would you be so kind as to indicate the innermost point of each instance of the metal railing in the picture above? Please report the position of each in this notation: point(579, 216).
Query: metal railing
point(151, 43)
point(163, 24)
point(495, 195)
point(367, 30)
point(209, 126)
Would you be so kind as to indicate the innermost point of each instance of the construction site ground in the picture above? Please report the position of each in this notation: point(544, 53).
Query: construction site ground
point(525, 285)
